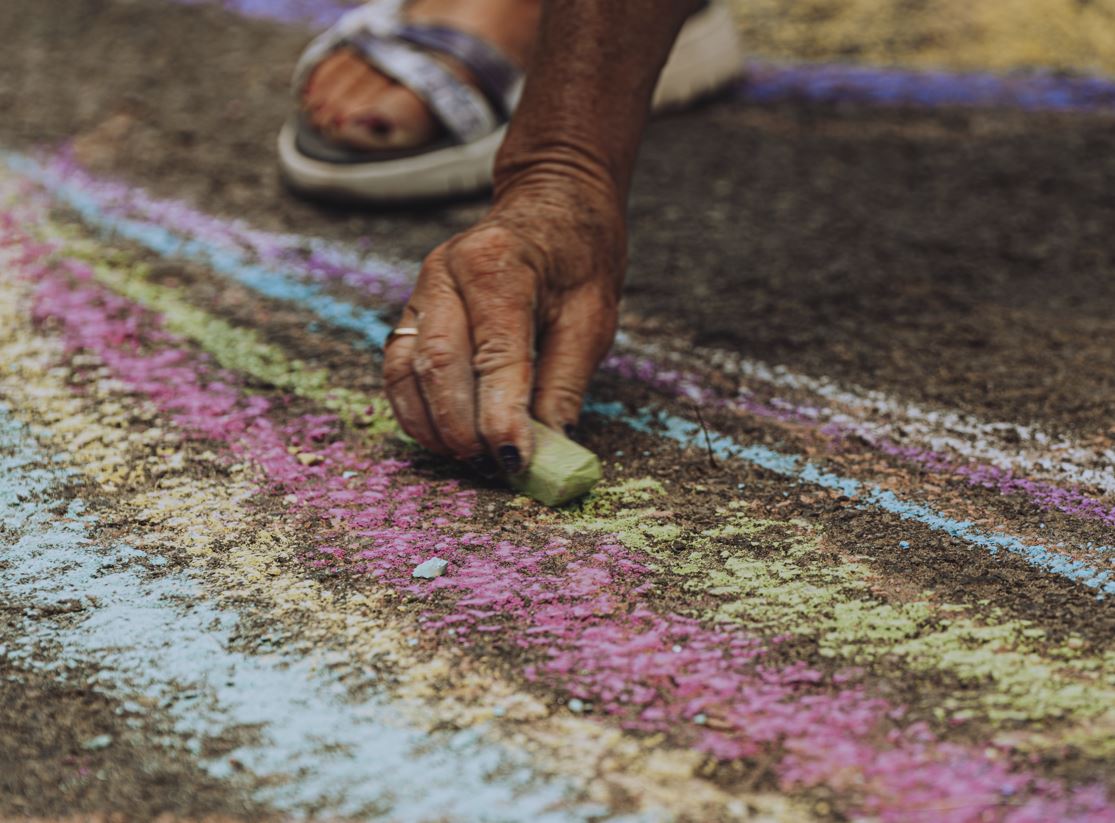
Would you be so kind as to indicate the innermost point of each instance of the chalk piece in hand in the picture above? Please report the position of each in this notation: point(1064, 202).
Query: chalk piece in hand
point(560, 470)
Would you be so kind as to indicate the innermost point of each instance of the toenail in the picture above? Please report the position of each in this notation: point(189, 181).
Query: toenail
point(378, 126)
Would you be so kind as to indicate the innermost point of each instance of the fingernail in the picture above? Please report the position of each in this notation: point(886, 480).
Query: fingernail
point(570, 431)
point(511, 459)
point(484, 465)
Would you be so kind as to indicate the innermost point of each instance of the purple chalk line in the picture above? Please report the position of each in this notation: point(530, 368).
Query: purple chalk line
point(313, 258)
point(772, 82)
point(689, 386)
point(764, 82)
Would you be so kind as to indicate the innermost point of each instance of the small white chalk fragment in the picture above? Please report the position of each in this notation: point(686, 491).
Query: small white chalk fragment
point(434, 567)
point(700, 719)
point(101, 741)
point(576, 705)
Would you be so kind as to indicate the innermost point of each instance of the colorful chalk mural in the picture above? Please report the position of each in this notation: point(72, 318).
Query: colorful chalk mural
point(195, 447)
point(582, 606)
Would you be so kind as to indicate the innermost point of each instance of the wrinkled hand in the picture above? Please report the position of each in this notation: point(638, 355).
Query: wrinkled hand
point(513, 317)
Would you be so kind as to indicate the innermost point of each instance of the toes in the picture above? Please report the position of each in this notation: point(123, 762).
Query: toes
point(393, 117)
point(341, 74)
point(319, 86)
point(349, 101)
point(366, 132)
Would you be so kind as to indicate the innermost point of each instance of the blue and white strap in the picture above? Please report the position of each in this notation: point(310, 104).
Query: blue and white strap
point(404, 52)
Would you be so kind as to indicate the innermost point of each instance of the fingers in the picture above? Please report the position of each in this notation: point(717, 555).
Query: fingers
point(429, 375)
point(498, 291)
point(462, 386)
point(571, 350)
point(402, 390)
point(443, 365)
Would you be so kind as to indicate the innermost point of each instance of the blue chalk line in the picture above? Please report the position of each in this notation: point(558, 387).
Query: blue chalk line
point(370, 325)
point(157, 640)
point(269, 282)
point(796, 467)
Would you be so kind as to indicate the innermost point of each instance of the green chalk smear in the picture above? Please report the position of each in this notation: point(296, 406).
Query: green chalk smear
point(242, 350)
point(235, 348)
point(559, 471)
point(795, 587)
point(622, 510)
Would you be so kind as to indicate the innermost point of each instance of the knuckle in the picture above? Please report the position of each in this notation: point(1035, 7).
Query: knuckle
point(500, 353)
point(491, 260)
point(434, 356)
point(484, 247)
point(433, 262)
point(396, 369)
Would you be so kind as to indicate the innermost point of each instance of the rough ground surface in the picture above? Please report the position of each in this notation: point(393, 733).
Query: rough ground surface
point(873, 582)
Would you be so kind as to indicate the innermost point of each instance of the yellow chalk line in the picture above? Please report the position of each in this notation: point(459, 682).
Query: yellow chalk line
point(233, 347)
point(1012, 682)
point(957, 34)
point(245, 557)
point(801, 587)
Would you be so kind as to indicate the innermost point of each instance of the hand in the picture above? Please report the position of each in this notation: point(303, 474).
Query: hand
point(542, 271)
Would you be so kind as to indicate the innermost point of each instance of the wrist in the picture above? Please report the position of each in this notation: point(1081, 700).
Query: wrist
point(558, 171)
point(572, 215)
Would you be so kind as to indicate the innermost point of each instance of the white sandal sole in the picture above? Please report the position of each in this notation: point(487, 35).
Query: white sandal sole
point(707, 55)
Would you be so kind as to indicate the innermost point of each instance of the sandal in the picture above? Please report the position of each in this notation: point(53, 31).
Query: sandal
point(707, 55)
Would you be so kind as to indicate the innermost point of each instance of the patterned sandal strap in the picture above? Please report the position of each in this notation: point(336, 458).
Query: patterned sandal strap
point(405, 52)
point(379, 17)
point(463, 110)
point(494, 73)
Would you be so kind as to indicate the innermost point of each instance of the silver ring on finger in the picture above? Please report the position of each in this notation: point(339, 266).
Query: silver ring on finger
point(402, 331)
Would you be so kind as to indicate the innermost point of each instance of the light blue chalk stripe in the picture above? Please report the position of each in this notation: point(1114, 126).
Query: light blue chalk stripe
point(796, 467)
point(156, 639)
point(369, 324)
point(268, 282)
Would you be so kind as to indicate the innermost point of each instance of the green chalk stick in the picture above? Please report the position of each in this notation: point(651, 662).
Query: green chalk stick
point(560, 470)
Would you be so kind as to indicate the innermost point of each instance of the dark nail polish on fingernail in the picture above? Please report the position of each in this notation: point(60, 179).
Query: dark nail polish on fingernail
point(511, 459)
point(484, 465)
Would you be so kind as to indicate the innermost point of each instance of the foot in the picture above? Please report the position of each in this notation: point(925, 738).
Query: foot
point(354, 104)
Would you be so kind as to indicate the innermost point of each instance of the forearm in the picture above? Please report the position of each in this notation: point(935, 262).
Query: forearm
point(586, 102)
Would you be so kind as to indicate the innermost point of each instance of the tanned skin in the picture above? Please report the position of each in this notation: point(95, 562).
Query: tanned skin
point(515, 314)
